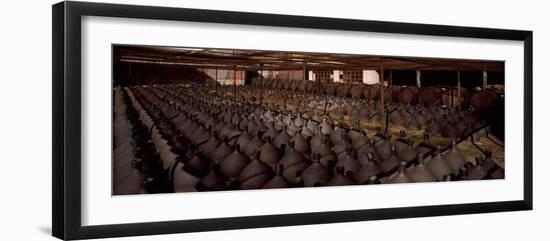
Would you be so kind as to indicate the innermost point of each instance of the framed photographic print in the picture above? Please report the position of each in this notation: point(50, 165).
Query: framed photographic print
point(170, 120)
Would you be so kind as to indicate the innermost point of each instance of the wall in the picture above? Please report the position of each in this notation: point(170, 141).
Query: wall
point(137, 74)
point(25, 98)
point(226, 77)
point(291, 75)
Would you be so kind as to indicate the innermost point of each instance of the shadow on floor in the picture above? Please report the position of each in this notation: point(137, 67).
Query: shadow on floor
point(45, 230)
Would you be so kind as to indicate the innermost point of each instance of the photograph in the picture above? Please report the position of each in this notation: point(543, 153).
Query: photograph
point(218, 120)
point(194, 119)
point(174, 119)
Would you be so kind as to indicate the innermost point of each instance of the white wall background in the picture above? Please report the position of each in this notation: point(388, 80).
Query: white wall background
point(25, 104)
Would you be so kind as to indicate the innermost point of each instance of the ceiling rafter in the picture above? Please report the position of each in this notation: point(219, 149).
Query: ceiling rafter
point(279, 60)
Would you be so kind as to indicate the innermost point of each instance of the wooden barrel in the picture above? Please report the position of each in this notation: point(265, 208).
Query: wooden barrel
point(372, 92)
point(408, 94)
point(293, 85)
point(357, 90)
point(329, 88)
point(279, 83)
point(484, 99)
point(301, 85)
point(450, 98)
point(262, 83)
point(311, 86)
point(429, 95)
point(286, 84)
point(342, 90)
point(395, 89)
point(273, 84)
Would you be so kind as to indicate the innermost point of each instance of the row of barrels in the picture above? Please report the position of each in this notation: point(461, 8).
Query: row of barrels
point(434, 119)
point(216, 144)
point(126, 178)
point(449, 96)
point(137, 148)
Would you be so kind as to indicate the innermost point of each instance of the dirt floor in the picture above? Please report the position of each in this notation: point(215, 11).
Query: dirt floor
point(468, 150)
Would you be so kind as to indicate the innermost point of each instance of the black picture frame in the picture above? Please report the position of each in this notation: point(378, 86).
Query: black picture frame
point(66, 128)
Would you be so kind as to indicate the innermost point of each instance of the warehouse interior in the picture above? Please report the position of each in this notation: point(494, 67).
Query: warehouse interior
point(189, 119)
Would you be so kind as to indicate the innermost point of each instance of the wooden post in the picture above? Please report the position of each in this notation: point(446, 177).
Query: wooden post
point(241, 76)
point(216, 84)
point(235, 82)
point(304, 71)
point(129, 71)
point(262, 71)
point(164, 74)
point(458, 89)
point(381, 88)
point(391, 86)
point(129, 74)
point(484, 86)
point(418, 76)
point(318, 80)
point(452, 99)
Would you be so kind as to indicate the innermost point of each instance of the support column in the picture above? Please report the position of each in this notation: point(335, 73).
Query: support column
point(418, 84)
point(304, 71)
point(318, 80)
point(164, 74)
point(381, 88)
point(391, 86)
point(262, 71)
point(216, 84)
point(458, 89)
point(235, 82)
point(129, 74)
point(241, 76)
point(484, 86)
